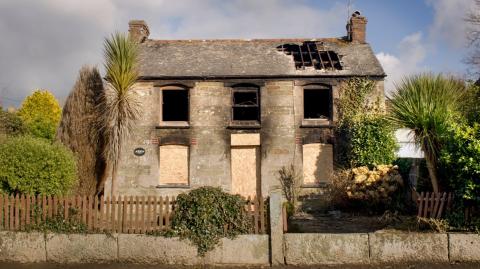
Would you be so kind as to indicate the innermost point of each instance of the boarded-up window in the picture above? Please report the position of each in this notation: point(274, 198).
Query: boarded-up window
point(245, 173)
point(173, 165)
point(317, 163)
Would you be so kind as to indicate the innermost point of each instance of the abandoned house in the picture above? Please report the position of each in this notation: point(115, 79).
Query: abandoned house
point(231, 113)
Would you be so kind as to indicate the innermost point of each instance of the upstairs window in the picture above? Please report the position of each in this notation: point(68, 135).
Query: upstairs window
point(175, 104)
point(317, 102)
point(245, 104)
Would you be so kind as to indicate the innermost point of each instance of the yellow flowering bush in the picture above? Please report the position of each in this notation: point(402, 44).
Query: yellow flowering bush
point(362, 186)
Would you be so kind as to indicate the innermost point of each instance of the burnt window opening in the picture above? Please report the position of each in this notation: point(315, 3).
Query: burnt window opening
point(317, 104)
point(245, 104)
point(312, 54)
point(175, 105)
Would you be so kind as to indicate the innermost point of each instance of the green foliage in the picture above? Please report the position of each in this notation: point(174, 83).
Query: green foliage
point(424, 104)
point(41, 114)
point(204, 214)
point(370, 139)
point(11, 124)
point(460, 157)
point(353, 99)
point(58, 223)
point(471, 104)
point(36, 166)
point(367, 138)
point(119, 105)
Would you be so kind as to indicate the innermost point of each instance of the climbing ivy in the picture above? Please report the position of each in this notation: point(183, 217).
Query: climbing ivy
point(207, 214)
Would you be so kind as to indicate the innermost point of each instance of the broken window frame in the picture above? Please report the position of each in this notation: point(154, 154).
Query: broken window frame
point(245, 88)
point(174, 123)
point(312, 54)
point(317, 121)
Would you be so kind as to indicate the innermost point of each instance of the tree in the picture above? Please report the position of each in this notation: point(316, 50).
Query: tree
point(11, 124)
point(424, 104)
point(41, 114)
point(119, 106)
point(473, 37)
point(31, 165)
point(77, 128)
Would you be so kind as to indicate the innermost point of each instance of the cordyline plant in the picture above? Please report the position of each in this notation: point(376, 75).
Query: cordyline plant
point(424, 104)
point(119, 107)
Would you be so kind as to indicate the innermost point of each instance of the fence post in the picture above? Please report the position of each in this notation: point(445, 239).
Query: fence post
point(276, 228)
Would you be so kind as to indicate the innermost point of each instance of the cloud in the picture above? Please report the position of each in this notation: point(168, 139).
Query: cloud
point(44, 43)
point(411, 53)
point(449, 24)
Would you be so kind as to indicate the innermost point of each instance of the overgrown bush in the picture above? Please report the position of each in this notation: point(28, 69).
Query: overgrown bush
point(207, 214)
point(36, 166)
point(369, 141)
point(366, 137)
point(372, 190)
point(290, 181)
point(460, 164)
point(11, 124)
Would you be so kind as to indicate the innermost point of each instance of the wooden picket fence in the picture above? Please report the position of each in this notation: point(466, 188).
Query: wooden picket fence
point(122, 214)
point(433, 205)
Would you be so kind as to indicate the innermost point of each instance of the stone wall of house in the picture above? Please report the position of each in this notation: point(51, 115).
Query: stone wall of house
point(282, 134)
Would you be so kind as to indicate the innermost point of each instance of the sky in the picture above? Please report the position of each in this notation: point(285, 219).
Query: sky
point(43, 43)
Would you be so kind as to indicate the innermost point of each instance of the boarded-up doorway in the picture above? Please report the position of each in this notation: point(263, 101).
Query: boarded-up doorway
point(246, 170)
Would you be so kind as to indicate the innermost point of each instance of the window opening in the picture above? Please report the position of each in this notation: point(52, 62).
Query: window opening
point(316, 104)
point(175, 105)
point(245, 104)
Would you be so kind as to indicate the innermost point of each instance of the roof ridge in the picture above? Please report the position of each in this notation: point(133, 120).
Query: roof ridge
point(227, 40)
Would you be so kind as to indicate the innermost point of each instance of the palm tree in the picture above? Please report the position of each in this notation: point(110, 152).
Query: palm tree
point(119, 107)
point(424, 103)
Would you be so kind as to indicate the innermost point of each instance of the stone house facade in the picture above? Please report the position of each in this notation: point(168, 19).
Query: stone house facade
point(231, 113)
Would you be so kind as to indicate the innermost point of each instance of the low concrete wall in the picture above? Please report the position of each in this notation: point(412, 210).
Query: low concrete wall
point(300, 249)
point(380, 248)
point(315, 249)
point(79, 248)
point(387, 247)
point(22, 247)
point(245, 249)
point(464, 247)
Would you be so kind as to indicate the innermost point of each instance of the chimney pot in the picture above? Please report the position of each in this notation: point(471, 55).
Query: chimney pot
point(138, 30)
point(357, 28)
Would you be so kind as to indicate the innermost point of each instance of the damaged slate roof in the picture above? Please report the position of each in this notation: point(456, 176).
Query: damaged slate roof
point(248, 58)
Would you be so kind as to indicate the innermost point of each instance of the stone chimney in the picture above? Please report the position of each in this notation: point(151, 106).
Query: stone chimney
point(357, 28)
point(138, 30)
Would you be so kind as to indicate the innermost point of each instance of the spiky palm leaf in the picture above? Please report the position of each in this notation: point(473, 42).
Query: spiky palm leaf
point(119, 107)
point(424, 103)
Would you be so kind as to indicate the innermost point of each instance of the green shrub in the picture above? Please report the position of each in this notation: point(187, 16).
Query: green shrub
point(369, 140)
point(203, 214)
point(460, 162)
point(36, 166)
point(11, 124)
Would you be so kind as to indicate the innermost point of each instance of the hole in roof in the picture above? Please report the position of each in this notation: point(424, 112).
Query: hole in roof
point(312, 54)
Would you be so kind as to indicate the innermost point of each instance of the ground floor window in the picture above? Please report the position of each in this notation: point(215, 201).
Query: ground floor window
point(317, 163)
point(173, 165)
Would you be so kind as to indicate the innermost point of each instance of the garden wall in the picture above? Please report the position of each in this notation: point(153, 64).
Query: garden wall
point(380, 247)
point(300, 249)
point(128, 248)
